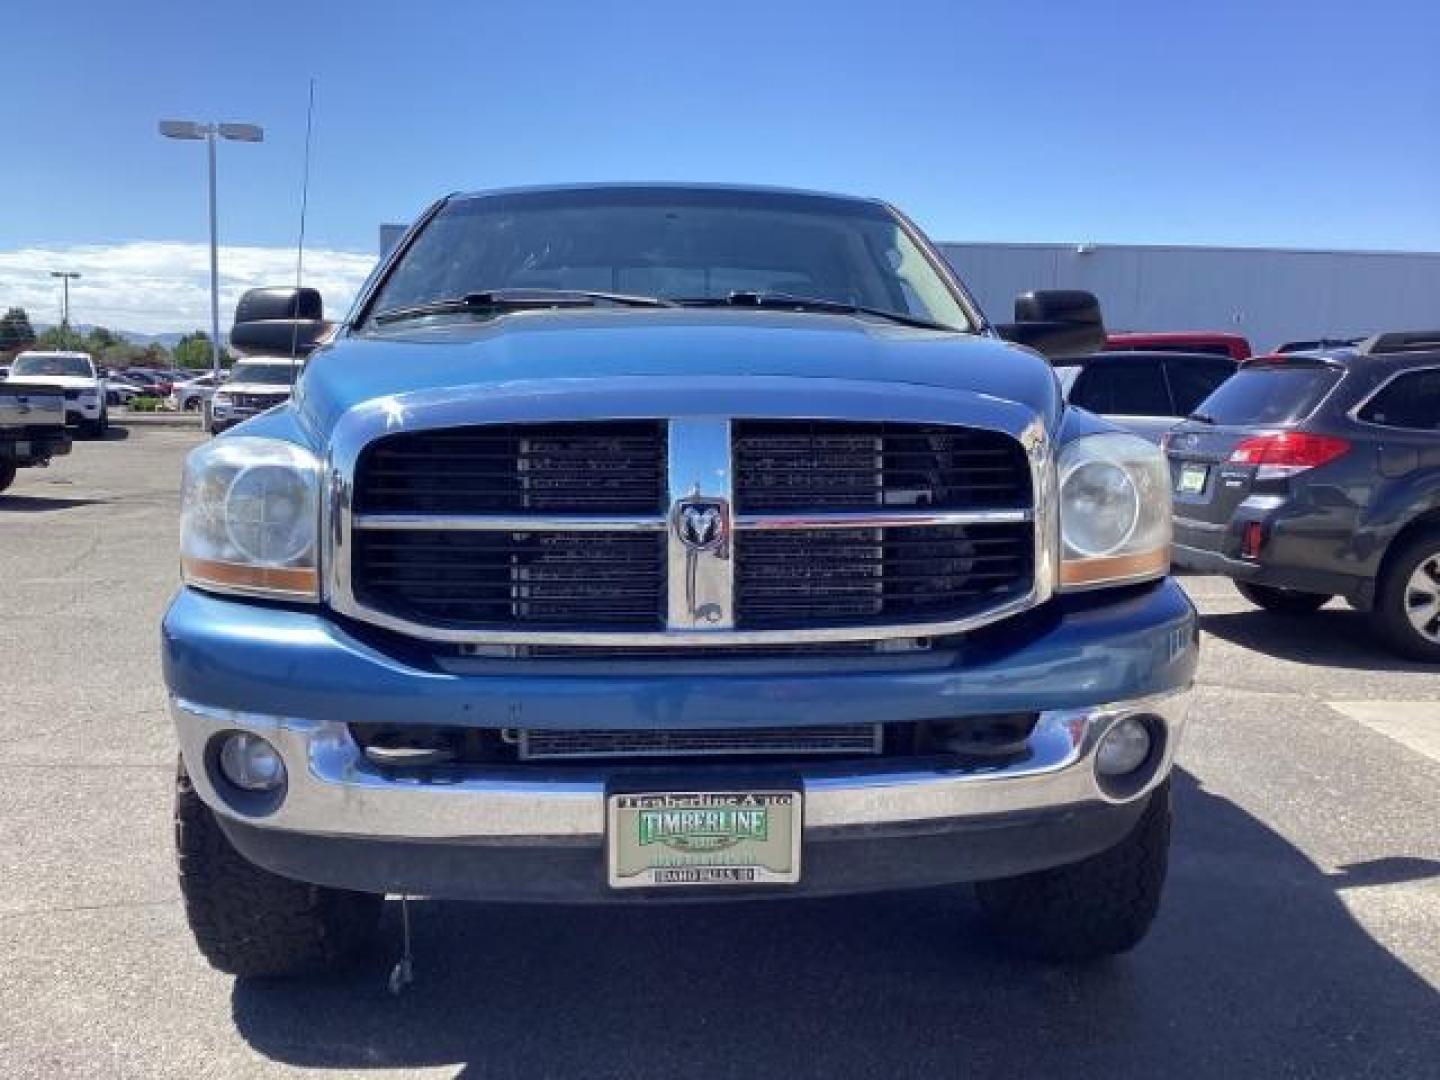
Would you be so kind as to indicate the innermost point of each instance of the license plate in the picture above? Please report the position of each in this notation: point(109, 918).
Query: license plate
point(1192, 479)
point(22, 448)
point(703, 838)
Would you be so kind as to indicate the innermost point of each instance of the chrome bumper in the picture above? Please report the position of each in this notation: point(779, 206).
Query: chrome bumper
point(334, 791)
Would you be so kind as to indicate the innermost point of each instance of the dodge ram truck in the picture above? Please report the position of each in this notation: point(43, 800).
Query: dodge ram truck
point(32, 426)
point(662, 543)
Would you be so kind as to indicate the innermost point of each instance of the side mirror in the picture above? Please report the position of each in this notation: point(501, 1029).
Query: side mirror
point(272, 322)
point(1057, 323)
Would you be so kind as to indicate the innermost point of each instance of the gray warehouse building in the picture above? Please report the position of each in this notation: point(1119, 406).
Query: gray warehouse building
point(1270, 295)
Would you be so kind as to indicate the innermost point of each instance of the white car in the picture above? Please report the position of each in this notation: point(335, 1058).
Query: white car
point(191, 395)
point(73, 372)
point(119, 391)
point(256, 383)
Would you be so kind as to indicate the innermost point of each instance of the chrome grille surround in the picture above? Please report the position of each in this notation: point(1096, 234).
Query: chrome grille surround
point(703, 577)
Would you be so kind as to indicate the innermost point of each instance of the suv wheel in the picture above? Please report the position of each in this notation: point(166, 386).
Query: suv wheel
point(1282, 601)
point(7, 474)
point(252, 923)
point(1091, 909)
point(1407, 603)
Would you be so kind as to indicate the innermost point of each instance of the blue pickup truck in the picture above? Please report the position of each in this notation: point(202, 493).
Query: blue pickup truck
point(644, 543)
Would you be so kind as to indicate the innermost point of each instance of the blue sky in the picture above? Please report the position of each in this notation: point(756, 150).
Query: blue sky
point(1249, 123)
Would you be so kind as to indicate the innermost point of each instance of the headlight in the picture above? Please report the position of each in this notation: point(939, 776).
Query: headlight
point(1114, 511)
point(221, 399)
point(250, 518)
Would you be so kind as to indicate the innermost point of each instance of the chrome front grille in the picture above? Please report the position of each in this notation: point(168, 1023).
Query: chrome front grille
point(693, 532)
point(720, 742)
point(258, 401)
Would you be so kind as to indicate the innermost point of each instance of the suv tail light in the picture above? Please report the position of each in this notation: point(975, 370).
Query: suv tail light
point(1288, 453)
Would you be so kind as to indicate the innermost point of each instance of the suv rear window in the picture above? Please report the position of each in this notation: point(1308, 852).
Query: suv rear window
point(1411, 401)
point(1269, 395)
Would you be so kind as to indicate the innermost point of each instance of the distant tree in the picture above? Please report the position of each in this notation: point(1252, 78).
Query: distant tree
point(57, 337)
point(155, 355)
point(98, 340)
point(16, 333)
point(121, 354)
point(193, 350)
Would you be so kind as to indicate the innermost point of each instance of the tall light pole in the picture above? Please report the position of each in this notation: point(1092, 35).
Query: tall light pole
point(193, 130)
point(65, 276)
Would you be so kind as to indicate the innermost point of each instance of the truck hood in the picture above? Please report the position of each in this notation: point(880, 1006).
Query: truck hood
point(65, 382)
point(686, 351)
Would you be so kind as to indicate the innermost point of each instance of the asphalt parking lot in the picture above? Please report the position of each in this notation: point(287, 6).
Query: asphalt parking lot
point(1300, 934)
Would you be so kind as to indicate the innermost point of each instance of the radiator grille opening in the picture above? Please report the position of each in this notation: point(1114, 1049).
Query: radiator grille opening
point(495, 579)
point(790, 465)
point(720, 742)
point(570, 468)
point(794, 578)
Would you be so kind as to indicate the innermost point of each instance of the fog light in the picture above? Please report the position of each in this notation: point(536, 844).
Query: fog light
point(1124, 748)
point(251, 763)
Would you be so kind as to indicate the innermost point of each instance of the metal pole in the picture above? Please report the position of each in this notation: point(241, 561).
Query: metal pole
point(65, 307)
point(214, 268)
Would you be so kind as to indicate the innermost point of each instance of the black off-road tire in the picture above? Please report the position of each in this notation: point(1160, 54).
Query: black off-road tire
point(1282, 601)
point(1091, 909)
point(252, 923)
point(1389, 616)
point(8, 469)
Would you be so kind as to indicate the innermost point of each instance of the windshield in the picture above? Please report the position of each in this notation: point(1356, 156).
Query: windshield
point(53, 365)
point(673, 243)
point(1269, 395)
point(269, 374)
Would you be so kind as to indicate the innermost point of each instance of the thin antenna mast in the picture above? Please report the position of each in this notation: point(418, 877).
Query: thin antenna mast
point(300, 246)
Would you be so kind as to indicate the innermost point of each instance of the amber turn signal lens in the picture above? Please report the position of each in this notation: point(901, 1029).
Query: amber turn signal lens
point(1098, 571)
point(303, 583)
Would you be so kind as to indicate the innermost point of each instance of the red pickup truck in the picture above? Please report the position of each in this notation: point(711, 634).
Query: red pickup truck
point(1217, 343)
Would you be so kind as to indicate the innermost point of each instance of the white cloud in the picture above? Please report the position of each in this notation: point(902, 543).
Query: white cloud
point(156, 287)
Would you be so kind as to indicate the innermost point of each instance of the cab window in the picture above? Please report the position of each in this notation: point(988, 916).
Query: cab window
point(1123, 389)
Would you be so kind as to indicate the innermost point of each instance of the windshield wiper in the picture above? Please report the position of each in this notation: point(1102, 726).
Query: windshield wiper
point(516, 300)
point(1201, 418)
point(787, 302)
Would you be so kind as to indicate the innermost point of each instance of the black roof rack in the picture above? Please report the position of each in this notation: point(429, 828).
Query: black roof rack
point(1401, 341)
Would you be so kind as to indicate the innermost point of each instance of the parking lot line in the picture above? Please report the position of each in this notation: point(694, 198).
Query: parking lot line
point(1415, 724)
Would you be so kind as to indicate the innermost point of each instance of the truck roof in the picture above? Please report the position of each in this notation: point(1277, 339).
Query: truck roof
point(661, 188)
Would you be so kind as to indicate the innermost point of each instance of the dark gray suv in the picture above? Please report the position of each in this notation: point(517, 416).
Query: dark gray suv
point(1319, 476)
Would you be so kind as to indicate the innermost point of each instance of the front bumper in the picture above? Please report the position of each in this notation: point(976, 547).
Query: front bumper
point(78, 411)
point(536, 832)
point(34, 444)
